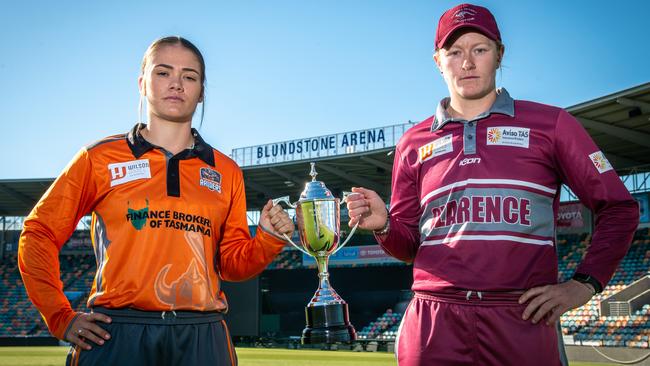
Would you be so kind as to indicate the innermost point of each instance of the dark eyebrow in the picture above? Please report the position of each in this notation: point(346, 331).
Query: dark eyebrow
point(171, 68)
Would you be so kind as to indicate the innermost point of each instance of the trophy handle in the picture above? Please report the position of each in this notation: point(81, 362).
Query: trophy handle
point(346, 194)
point(285, 199)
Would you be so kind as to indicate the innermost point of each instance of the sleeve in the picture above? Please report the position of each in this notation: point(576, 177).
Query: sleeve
point(240, 256)
point(403, 238)
point(46, 229)
point(584, 168)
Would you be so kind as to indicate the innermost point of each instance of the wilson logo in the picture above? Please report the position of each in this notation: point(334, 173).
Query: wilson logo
point(435, 148)
point(129, 171)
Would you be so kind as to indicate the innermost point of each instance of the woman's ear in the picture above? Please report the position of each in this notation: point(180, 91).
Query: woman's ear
point(500, 52)
point(436, 58)
point(142, 86)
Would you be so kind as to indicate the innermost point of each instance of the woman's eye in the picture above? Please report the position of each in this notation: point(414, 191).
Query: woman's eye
point(162, 73)
point(481, 50)
point(191, 78)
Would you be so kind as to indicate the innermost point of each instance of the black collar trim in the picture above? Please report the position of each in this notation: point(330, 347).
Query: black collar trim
point(139, 146)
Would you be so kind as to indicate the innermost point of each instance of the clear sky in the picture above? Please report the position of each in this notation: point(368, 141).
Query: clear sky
point(280, 70)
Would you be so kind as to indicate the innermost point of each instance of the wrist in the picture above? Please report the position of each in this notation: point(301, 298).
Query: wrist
point(588, 286)
point(588, 281)
point(386, 228)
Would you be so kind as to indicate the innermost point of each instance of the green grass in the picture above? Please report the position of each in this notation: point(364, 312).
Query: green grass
point(42, 356)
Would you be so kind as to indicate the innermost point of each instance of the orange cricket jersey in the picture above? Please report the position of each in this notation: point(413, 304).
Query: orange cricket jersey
point(165, 229)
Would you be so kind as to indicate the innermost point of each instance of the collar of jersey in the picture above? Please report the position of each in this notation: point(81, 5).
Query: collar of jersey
point(504, 104)
point(139, 146)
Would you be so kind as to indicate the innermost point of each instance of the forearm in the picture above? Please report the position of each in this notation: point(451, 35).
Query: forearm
point(400, 241)
point(39, 267)
point(611, 240)
point(246, 258)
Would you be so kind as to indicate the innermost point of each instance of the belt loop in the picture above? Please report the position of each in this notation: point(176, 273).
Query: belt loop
point(162, 315)
point(469, 294)
point(480, 295)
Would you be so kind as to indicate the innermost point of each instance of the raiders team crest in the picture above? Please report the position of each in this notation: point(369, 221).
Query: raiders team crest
point(210, 178)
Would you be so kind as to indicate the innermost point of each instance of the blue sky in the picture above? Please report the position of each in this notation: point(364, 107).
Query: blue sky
point(280, 70)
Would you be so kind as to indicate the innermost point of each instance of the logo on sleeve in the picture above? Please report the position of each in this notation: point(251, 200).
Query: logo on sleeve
point(129, 171)
point(508, 136)
point(210, 178)
point(600, 162)
point(435, 148)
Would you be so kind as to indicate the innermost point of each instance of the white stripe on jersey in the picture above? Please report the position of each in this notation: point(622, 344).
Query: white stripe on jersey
point(487, 238)
point(463, 183)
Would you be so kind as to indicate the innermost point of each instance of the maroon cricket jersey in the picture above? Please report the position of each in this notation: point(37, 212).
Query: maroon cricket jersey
point(474, 202)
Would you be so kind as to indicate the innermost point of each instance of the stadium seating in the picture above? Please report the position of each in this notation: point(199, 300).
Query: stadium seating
point(586, 323)
point(18, 316)
point(287, 259)
point(384, 328)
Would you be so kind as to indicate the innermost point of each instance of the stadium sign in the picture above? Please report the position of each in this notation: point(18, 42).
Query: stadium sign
point(365, 254)
point(321, 146)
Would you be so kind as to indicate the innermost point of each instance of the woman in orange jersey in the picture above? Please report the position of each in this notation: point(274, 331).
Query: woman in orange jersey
point(168, 225)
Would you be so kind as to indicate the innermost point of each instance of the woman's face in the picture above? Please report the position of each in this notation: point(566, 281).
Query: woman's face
point(469, 65)
point(172, 83)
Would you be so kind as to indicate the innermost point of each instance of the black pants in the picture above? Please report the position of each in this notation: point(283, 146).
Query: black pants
point(159, 339)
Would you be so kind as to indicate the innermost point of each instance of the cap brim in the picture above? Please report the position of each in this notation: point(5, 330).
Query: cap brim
point(458, 27)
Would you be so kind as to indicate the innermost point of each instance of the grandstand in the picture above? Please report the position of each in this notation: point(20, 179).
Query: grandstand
point(375, 286)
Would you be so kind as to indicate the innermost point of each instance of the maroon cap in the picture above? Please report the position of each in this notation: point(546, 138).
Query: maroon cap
point(466, 16)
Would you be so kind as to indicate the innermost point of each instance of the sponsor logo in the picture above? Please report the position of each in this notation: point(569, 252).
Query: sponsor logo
point(168, 219)
point(600, 162)
point(469, 161)
point(435, 148)
point(138, 218)
point(211, 179)
point(508, 136)
point(129, 171)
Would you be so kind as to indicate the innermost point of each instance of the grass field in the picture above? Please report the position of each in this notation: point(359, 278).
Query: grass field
point(46, 356)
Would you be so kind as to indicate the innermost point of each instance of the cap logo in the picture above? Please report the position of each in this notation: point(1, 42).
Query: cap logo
point(464, 15)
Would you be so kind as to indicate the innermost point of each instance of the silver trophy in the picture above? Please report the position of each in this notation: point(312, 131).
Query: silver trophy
point(318, 215)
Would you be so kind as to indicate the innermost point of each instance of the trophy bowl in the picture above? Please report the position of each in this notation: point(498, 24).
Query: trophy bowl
point(318, 217)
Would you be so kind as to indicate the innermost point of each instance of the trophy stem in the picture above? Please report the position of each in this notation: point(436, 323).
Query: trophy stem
point(323, 274)
point(325, 294)
point(327, 314)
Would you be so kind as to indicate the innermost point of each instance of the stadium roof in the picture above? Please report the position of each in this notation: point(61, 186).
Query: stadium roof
point(619, 123)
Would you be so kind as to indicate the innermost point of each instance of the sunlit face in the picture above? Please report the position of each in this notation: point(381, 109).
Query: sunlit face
point(469, 65)
point(172, 83)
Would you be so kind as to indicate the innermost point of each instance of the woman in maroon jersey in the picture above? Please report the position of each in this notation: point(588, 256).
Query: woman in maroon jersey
point(475, 191)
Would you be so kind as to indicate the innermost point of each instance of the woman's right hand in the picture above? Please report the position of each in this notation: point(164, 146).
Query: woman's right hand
point(84, 328)
point(366, 208)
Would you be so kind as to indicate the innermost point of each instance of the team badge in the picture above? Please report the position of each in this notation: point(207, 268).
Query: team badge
point(210, 178)
point(508, 136)
point(600, 162)
point(435, 148)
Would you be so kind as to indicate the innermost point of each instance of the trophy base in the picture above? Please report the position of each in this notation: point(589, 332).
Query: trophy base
point(328, 323)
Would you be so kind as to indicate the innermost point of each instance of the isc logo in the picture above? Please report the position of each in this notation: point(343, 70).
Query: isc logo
point(469, 161)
